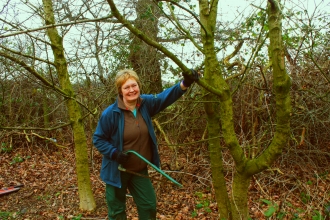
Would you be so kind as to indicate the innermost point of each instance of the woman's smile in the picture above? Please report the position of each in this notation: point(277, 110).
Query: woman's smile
point(130, 90)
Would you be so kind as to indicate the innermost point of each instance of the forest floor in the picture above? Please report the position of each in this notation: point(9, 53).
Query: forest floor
point(296, 187)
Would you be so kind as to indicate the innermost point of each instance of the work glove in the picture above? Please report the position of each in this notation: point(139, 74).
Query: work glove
point(120, 157)
point(190, 79)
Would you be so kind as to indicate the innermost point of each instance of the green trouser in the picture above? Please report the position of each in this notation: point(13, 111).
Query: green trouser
point(143, 194)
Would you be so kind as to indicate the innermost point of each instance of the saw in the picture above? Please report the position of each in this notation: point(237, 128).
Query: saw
point(10, 189)
point(121, 168)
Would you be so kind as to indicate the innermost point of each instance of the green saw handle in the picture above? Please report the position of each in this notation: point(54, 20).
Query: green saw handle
point(155, 167)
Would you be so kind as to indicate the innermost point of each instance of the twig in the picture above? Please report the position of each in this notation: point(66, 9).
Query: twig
point(53, 25)
point(35, 128)
point(198, 177)
point(261, 187)
point(163, 133)
point(49, 139)
point(194, 142)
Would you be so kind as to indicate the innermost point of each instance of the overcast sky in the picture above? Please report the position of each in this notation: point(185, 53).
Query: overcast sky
point(229, 11)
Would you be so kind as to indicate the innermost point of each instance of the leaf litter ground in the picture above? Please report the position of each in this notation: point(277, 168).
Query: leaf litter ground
point(297, 187)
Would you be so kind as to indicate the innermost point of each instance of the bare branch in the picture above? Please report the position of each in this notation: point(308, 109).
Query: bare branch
point(42, 79)
point(35, 128)
point(54, 25)
point(187, 10)
point(27, 56)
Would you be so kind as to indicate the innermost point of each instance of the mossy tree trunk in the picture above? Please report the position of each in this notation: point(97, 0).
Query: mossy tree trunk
point(219, 107)
point(218, 111)
point(86, 197)
point(246, 168)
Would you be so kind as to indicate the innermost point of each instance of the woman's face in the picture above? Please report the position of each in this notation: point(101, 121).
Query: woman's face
point(130, 90)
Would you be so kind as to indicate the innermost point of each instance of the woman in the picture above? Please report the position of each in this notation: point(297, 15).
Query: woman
point(126, 125)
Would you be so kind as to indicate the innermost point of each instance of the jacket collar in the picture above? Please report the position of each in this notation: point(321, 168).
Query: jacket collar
point(121, 104)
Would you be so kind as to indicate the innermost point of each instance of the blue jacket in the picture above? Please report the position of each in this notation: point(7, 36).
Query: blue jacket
point(108, 135)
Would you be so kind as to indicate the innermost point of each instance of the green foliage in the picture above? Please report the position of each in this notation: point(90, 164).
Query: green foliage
point(272, 208)
point(194, 214)
point(5, 215)
point(305, 197)
point(77, 217)
point(9, 215)
point(44, 197)
point(4, 148)
point(17, 159)
point(309, 182)
point(322, 175)
point(254, 24)
point(202, 203)
point(270, 211)
point(280, 215)
point(317, 216)
point(295, 216)
point(148, 14)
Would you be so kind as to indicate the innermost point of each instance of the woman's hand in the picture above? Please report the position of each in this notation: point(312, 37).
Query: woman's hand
point(190, 79)
point(120, 157)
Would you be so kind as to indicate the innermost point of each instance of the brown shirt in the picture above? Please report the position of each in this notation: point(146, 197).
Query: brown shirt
point(136, 137)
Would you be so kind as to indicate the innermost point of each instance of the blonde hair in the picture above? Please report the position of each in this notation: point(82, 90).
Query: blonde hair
point(123, 75)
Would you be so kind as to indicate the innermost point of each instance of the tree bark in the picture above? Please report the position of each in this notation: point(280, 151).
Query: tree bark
point(87, 202)
point(218, 110)
point(215, 152)
point(239, 198)
point(143, 57)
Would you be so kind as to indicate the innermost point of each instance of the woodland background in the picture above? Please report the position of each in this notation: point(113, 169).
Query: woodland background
point(37, 147)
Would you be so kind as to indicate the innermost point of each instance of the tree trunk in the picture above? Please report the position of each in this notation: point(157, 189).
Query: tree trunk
point(87, 202)
point(215, 152)
point(239, 199)
point(145, 58)
point(218, 110)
